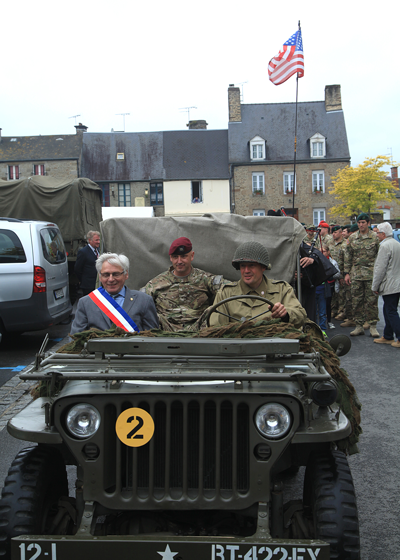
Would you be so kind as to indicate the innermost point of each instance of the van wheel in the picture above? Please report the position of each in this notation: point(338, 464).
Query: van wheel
point(330, 503)
point(36, 480)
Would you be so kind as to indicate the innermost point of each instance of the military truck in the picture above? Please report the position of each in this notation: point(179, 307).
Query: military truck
point(73, 204)
point(182, 447)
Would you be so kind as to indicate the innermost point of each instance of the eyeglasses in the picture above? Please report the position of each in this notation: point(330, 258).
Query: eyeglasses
point(114, 274)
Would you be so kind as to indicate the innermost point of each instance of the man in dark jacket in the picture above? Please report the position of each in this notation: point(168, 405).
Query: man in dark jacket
point(85, 266)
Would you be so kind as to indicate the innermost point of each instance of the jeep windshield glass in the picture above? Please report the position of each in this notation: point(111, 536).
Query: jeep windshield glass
point(11, 250)
point(52, 245)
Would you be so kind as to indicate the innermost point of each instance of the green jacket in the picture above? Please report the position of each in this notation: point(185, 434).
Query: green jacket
point(273, 290)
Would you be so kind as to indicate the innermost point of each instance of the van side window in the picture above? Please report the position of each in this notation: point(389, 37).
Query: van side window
point(11, 249)
point(52, 245)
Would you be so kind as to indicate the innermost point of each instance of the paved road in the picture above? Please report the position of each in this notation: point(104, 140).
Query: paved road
point(374, 370)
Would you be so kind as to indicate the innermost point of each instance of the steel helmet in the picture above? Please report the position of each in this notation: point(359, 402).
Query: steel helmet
point(251, 251)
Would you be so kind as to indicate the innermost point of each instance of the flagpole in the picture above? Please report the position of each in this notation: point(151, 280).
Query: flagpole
point(295, 138)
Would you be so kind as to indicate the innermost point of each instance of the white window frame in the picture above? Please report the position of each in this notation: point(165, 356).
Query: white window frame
point(258, 143)
point(40, 168)
point(258, 212)
point(257, 182)
point(288, 183)
point(317, 145)
point(318, 181)
point(14, 169)
point(319, 214)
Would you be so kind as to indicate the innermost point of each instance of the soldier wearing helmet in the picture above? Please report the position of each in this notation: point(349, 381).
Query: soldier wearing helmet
point(252, 259)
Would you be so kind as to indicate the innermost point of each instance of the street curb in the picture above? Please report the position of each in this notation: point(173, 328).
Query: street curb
point(15, 393)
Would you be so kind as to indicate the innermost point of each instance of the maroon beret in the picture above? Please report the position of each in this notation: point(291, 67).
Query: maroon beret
point(180, 246)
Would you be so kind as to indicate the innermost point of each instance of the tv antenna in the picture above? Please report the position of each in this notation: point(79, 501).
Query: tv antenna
point(242, 84)
point(181, 109)
point(391, 155)
point(123, 115)
point(74, 117)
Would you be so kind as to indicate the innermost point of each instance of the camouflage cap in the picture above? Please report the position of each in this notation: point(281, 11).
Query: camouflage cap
point(180, 246)
point(251, 251)
point(363, 216)
point(311, 227)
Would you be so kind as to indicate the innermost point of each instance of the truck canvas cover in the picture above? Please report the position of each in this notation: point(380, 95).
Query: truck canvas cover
point(74, 205)
point(215, 237)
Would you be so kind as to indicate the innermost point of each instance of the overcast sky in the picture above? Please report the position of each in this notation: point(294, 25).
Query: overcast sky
point(97, 59)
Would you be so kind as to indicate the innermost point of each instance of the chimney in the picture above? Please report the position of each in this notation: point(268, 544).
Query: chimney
point(393, 173)
point(333, 98)
point(235, 111)
point(197, 125)
point(80, 128)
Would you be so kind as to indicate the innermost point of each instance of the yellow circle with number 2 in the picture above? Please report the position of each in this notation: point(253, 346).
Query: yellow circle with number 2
point(134, 427)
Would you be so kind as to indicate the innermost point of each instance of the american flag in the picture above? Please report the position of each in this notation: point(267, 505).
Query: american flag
point(289, 61)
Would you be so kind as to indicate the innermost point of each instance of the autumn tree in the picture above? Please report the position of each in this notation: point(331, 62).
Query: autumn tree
point(359, 189)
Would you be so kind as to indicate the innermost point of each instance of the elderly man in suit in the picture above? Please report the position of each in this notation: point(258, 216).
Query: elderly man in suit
point(114, 303)
point(85, 268)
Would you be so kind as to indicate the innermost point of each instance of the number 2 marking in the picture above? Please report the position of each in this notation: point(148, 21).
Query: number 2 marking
point(136, 428)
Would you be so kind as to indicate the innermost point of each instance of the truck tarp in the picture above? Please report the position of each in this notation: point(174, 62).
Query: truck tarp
point(73, 204)
point(215, 237)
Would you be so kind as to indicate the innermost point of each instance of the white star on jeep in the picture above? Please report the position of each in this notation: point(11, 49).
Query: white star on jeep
point(167, 554)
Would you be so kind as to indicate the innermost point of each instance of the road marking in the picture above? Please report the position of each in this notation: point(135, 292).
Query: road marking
point(14, 368)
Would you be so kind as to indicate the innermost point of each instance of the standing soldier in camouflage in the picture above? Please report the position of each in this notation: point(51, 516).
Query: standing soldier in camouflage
point(182, 293)
point(336, 247)
point(359, 262)
point(311, 231)
point(326, 238)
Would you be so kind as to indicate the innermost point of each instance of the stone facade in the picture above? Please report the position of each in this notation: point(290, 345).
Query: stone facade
point(138, 190)
point(55, 169)
point(274, 197)
point(235, 112)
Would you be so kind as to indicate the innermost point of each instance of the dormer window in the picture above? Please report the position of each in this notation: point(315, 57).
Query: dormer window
point(257, 148)
point(317, 146)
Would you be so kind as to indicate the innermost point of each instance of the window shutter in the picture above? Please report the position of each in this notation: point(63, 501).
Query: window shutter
point(17, 171)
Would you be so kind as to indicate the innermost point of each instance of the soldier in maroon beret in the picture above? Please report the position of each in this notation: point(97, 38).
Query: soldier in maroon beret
point(182, 293)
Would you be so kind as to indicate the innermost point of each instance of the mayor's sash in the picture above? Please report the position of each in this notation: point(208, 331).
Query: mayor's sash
point(114, 312)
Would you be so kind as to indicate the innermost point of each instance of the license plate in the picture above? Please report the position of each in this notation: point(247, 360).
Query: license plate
point(59, 294)
point(104, 548)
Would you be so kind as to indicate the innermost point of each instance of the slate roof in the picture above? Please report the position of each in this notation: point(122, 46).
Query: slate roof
point(40, 148)
point(172, 155)
point(196, 154)
point(143, 156)
point(275, 122)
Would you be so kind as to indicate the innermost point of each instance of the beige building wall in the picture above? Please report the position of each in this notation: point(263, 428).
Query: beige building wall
point(273, 198)
point(178, 198)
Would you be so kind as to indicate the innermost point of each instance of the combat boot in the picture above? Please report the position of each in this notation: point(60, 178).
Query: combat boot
point(348, 323)
point(341, 316)
point(357, 331)
point(366, 326)
point(373, 332)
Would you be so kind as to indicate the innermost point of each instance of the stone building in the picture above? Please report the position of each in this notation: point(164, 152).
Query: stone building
point(57, 156)
point(176, 172)
point(261, 155)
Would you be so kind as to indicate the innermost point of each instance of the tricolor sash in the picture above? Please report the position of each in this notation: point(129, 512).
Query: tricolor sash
point(114, 312)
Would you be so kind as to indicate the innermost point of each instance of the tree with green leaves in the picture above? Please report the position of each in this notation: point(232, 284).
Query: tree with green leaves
point(359, 189)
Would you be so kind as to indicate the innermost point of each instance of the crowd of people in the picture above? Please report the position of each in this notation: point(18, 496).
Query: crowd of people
point(343, 270)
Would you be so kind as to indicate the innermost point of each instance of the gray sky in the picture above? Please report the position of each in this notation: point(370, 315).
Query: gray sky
point(97, 59)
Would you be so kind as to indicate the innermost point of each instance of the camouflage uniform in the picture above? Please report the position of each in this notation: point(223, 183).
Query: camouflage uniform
point(336, 250)
point(348, 305)
point(181, 300)
point(359, 262)
point(273, 290)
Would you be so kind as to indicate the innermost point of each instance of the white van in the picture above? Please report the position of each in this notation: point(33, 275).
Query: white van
point(34, 291)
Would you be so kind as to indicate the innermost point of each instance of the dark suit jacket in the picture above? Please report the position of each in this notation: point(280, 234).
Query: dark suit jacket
point(139, 306)
point(85, 268)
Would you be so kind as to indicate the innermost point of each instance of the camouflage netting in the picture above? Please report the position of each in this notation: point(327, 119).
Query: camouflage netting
point(310, 341)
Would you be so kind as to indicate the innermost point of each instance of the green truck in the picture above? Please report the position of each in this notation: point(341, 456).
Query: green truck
point(183, 448)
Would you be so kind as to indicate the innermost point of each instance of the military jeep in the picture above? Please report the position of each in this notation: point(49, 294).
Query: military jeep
point(184, 449)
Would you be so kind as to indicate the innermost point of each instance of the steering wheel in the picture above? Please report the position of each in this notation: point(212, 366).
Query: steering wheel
point(214, 308)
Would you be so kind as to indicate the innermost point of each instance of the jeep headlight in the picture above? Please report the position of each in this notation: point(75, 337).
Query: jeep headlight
point(83, 420)
point(273, 420)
